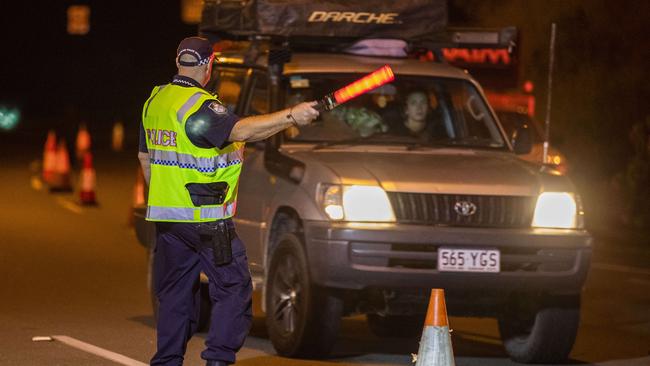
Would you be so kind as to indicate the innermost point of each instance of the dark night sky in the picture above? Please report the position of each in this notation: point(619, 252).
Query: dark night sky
point(56, 78)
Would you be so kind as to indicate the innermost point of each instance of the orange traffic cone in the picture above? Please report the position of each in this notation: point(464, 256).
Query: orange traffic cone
point(139, 192)
point(83, 141)
point(61, 177)
point(49, 157)
point(87, 181)
point(118, 136)
point(435, 344)
point(139, 189)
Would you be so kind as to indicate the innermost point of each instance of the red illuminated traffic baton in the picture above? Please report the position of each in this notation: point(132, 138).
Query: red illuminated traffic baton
point(367, 83)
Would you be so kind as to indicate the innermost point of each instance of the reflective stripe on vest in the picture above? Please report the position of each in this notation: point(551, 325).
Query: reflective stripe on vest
point(187, 161)
point(188, 214)
point(187, 105)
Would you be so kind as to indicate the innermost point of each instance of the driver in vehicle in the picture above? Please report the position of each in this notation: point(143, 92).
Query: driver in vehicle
point(419, 119)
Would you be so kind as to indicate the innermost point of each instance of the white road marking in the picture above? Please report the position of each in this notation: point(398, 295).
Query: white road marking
point(69, 205)
point(42, 339)
point(97, 351)
point(621, 268)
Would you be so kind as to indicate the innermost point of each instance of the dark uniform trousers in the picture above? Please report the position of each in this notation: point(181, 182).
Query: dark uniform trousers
point(179, 258)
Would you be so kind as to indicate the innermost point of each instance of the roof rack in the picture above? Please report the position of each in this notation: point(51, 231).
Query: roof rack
point(474, 37)
point(280, 48)
point(333, 26)
point(329, 23)
point(495, 38)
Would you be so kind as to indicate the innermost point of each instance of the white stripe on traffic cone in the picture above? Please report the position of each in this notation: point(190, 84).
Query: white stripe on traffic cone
point(435, 345)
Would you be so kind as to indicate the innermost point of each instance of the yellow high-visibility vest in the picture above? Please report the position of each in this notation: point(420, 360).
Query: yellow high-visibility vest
point(176, 162)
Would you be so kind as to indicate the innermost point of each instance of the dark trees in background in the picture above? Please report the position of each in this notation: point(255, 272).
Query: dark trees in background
point(601, 89)
point(59, 80)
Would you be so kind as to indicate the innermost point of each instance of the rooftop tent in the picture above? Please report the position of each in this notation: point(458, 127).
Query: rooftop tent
point(407, 20)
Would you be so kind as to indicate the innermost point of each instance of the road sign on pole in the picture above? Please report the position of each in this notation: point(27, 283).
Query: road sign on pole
point(78, 19)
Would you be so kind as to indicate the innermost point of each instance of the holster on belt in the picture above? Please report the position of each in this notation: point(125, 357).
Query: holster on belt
point(217, 236)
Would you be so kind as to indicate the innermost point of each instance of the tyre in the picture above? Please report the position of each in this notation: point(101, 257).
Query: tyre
point(302, 319)
point(540, 334)
point(395, 326)
point(205, 305)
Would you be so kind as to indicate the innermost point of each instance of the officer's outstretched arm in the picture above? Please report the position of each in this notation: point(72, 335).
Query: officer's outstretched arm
point(257, 128)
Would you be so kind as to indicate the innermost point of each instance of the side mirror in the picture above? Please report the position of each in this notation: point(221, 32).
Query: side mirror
point(283, 166)
point(522, 140)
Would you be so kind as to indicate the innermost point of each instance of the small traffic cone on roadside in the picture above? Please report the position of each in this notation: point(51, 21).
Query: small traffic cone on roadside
point(117, 140)
point(83, 142)
point(139, 192)
point(49, 157)
point(87, 181)
point(61, 178)
point(435, 344)
point(139, 189)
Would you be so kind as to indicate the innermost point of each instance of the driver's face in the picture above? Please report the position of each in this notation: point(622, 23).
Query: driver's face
point(416, 107)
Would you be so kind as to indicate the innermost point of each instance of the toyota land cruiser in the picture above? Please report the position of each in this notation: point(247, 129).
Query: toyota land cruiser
point(410, 187)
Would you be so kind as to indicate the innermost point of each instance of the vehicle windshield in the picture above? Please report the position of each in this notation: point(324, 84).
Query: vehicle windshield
point(511, 121)
point(412, 110)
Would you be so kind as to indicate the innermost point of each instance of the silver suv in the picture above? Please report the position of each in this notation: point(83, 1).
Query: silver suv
point(410, 187)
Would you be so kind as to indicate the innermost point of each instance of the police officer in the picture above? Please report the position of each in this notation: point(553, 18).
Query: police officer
point(191, 150)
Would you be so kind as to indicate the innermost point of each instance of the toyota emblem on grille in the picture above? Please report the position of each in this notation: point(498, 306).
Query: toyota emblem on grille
point(465, 208)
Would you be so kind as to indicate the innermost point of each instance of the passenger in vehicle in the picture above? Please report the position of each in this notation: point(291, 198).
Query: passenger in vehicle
point(361, 117)
point(421, 118)
point(416, 109)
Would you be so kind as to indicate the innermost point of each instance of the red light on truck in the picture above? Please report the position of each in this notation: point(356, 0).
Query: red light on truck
point(528, 86)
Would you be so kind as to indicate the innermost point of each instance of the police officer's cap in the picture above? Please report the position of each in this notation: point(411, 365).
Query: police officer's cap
point(198, 47)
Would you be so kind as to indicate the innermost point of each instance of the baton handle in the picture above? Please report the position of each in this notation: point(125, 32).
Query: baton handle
point(327, 103)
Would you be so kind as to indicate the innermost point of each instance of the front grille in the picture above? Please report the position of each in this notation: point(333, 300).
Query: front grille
point(438, 209)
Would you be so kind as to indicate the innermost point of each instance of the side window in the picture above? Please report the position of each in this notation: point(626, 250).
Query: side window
point(259, 100)
point(227, 83)
point(472, 113)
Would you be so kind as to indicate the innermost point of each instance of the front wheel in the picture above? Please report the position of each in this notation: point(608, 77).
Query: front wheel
point(302, 319)
point(540, 334)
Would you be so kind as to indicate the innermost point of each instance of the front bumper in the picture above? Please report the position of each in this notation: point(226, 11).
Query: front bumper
point(359, 256)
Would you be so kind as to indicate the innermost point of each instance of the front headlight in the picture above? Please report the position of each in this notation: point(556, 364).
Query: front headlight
point(356, 203)
point(557, 210)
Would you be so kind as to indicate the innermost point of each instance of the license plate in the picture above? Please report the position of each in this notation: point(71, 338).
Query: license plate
point(469, 260)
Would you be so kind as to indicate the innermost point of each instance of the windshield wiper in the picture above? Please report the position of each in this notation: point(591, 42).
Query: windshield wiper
point(355, 140)
point(472, 142)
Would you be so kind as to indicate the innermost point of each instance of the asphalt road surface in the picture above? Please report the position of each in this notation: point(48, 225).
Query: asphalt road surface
point(78, 273)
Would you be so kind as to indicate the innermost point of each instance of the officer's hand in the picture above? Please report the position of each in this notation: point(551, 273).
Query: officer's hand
point(304, 113)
